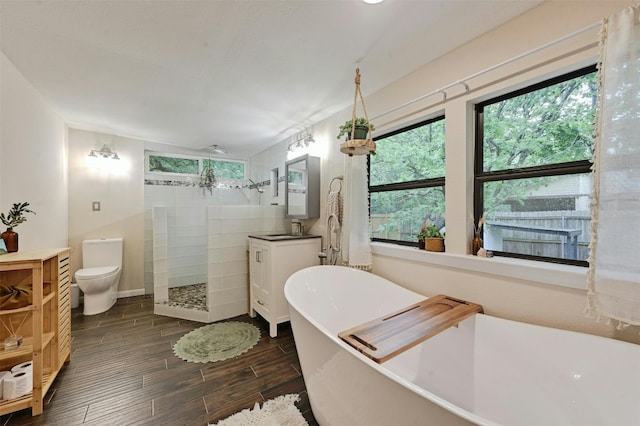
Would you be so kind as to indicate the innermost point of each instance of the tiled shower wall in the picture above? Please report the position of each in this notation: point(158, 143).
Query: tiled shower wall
point(229, 228)
point(186, 245)
point(186, 215)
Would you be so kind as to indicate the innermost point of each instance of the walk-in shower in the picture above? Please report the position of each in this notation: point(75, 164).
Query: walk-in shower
point(200, 260)
point(196, 261)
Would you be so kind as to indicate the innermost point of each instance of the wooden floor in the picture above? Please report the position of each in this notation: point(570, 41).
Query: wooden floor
point(123, 372)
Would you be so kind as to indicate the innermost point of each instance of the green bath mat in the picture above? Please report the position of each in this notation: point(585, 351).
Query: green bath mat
point(217, 342)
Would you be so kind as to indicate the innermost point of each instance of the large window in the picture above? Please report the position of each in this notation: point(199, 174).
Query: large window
point(406, 182)
point(188, 166)
point(532, 169)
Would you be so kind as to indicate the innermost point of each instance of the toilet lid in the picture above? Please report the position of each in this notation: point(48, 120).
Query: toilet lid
point(101, 271)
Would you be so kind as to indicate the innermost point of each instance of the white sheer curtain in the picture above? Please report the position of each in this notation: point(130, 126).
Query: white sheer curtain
point(356, 247)
point(614, 271)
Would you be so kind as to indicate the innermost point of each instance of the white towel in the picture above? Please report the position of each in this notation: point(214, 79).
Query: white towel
point(356, 250)
point(335, 205)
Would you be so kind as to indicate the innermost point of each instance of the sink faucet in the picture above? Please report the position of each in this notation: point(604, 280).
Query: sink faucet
point(297, 228)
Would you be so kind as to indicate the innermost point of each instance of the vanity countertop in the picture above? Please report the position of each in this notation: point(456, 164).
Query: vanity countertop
point(283, 237)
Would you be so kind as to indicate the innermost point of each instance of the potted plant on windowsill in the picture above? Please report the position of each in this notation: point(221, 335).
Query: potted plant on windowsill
point(432, 238)
point(14, 218)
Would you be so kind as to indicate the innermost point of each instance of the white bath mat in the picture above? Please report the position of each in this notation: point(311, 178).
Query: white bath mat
point(280, 411)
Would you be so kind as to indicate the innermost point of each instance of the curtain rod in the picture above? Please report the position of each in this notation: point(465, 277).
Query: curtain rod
point(463, 81)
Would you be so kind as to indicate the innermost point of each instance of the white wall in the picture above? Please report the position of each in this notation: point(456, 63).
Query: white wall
point(33, 161)
point(118, 186)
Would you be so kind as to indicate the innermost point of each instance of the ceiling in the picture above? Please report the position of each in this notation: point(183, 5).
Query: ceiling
point(242, 74)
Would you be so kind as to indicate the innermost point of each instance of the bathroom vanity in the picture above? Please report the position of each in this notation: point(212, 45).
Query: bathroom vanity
point(272, 259)
point(39, 310)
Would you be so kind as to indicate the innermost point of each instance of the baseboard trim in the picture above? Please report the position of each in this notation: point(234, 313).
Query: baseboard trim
point(131, 293)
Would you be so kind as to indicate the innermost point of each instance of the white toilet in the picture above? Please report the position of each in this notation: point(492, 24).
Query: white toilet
point(98, 279)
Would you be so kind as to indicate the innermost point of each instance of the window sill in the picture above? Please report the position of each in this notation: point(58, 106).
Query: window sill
point(543, 272)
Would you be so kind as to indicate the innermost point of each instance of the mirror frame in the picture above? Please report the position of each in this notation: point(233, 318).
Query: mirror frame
point(312, 202)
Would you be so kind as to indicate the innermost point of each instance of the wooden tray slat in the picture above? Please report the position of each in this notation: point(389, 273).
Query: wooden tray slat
point(383, 338)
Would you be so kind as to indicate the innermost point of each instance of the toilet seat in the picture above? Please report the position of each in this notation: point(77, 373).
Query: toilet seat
point(99, 272)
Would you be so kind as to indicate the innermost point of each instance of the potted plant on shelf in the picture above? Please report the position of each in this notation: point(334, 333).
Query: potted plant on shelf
point(15, 217)
point(432, 238)
point(360, 132)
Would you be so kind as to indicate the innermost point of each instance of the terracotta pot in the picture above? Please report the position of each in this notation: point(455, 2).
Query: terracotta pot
point(434, 244)
point(10, 240)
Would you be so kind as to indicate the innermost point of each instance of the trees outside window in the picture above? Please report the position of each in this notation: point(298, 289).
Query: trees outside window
point(406, 182)
point(179, 165)
point(166, 164)
point(226, 169)
point(532, 169)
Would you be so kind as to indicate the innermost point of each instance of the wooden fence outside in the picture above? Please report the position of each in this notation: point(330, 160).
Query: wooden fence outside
point(555, 231)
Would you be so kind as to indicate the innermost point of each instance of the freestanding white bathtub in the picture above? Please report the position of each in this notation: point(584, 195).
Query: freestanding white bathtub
point(485, 371)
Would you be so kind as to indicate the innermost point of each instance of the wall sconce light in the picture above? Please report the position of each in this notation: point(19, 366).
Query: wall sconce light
point(104, 152)
point(302, 140)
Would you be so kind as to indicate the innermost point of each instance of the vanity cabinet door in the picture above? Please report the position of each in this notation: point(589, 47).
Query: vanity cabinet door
point(260, 276)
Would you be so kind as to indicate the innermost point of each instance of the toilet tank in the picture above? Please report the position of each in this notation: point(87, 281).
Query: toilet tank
point(102, 252)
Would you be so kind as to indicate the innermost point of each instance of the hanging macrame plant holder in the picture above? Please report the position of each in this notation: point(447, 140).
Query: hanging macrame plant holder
point(355, 146)
point(207, 177)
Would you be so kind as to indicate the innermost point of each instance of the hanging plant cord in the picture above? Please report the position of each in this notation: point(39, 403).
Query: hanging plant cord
point(356, 146)
point(357, 93)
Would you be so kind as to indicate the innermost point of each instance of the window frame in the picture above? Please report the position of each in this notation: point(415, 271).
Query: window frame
point(560, 169)
point(201, 162)
point(398, 186)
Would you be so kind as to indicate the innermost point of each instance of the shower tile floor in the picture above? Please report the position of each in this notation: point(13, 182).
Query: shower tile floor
point(192, 296)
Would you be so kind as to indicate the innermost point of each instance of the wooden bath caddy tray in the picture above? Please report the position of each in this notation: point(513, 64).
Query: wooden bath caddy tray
point(383, 338)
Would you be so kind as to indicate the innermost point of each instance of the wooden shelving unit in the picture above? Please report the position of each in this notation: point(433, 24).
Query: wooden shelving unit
point(46, 330)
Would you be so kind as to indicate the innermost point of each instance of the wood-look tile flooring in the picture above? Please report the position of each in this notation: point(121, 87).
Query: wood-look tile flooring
point(123, 372)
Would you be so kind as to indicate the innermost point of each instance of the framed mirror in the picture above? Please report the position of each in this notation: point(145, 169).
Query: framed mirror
point(302, 187)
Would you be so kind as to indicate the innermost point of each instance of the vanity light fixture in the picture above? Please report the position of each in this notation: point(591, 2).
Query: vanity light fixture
point(302, 140)
point(372, 1)
point(104, 152)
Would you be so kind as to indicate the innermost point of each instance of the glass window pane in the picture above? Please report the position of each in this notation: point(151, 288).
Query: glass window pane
point(399, 215)
point(411, 155)
point(158, 163)
point(548, 126)
point(543, 216)
point(226, 169)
